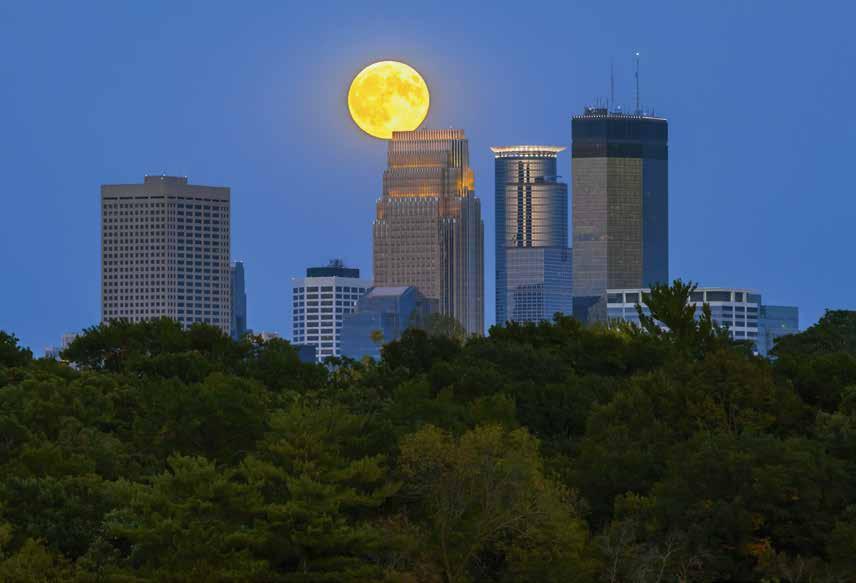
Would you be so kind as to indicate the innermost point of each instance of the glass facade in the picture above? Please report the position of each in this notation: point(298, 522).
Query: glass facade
point(239, 301)
point(537, 283)
point(533, 262)
point(428, 231)
point(620, 205)
point(776, 321)
point(382, 315)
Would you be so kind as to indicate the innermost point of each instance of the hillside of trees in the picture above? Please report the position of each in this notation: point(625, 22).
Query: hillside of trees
point(548, 453)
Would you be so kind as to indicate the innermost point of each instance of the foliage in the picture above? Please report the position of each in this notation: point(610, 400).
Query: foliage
point(10, 353)
point(673, 319)
point(489, 508)
point(542, 452)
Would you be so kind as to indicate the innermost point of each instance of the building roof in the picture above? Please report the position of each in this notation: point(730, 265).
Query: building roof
point(388, 291)
point(336, 268)
point(526, 151)
point(603, 112)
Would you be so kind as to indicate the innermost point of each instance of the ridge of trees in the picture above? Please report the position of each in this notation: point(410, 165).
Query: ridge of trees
point(550, 452)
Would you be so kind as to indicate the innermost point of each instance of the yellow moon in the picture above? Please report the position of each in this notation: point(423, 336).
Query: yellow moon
point(388, 96)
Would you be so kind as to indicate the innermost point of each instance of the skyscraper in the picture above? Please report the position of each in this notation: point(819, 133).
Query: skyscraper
point(319, 302)
point(620, 205)
point(428, 231)
point(239, 301)
point(165, 252)
point(533, 261)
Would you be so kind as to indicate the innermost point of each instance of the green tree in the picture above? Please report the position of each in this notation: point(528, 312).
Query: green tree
point(821, 361)
point(34, 563)
point(190, 523)
point(834, 332)
point(484, 499)
point(320, 497)
point(439, 325)
point(10, 353)
point(673, 319)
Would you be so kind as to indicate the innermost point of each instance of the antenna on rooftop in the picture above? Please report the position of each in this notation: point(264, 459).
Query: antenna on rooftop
point(638, 110)
point(611, 104)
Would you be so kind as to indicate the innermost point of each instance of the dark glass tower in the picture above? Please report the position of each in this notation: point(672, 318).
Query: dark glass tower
point(620, 167)
point(533, 262)
point(239, 301)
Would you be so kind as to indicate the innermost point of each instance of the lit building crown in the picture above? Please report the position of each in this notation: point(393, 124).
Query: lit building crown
point(526, 151)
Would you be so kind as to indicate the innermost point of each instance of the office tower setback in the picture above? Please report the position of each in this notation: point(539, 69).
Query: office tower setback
point(382, 315)
point(319, 302)
point(239, 301)
point(620, 205)
point(165, 252)
point(428, 231)
point(533, 261)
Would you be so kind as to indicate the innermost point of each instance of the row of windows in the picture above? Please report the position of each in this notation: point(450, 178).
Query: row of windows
point(128, 302)
point(178, 230)
point(317, 303)
point(209, 219)
point(328, 288)
point(159, 205)
point(116, 313)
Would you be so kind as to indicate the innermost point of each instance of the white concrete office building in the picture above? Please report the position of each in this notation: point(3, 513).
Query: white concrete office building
point(319, 302)
point(735, 308)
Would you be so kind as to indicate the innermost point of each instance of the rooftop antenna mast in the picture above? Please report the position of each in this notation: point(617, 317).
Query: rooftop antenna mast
point(611, 104)
point(638, 110)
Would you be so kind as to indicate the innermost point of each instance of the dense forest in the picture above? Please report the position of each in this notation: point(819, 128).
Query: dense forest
point(539, 453)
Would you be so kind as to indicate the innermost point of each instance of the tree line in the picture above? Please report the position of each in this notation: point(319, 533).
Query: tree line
point(539, 453)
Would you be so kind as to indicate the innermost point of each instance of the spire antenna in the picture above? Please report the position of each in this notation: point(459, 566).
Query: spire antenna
point(611, 104)
point(638, 110)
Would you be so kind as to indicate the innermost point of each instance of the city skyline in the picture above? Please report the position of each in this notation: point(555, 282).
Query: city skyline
point(741, 214)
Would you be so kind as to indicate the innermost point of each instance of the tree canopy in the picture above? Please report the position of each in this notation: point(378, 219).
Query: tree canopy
point(541, 452)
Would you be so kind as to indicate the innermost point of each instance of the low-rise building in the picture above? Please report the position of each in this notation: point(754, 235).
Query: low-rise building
point(382, 315)
point(739, 310)
point(776, 321)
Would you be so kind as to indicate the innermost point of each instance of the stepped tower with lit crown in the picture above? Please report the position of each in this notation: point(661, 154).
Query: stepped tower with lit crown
point(428, 231)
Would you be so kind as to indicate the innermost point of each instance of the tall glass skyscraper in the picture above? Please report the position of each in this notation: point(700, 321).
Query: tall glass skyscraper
point(620, 167)
point(428, 231)
point(533, 262)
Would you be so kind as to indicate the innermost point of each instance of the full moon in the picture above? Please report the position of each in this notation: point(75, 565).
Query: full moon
point(388, 96)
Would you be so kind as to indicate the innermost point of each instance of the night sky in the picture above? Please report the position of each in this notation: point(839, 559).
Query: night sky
point(252, 95)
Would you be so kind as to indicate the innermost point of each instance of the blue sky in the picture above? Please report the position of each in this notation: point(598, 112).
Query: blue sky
point(252, 95)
